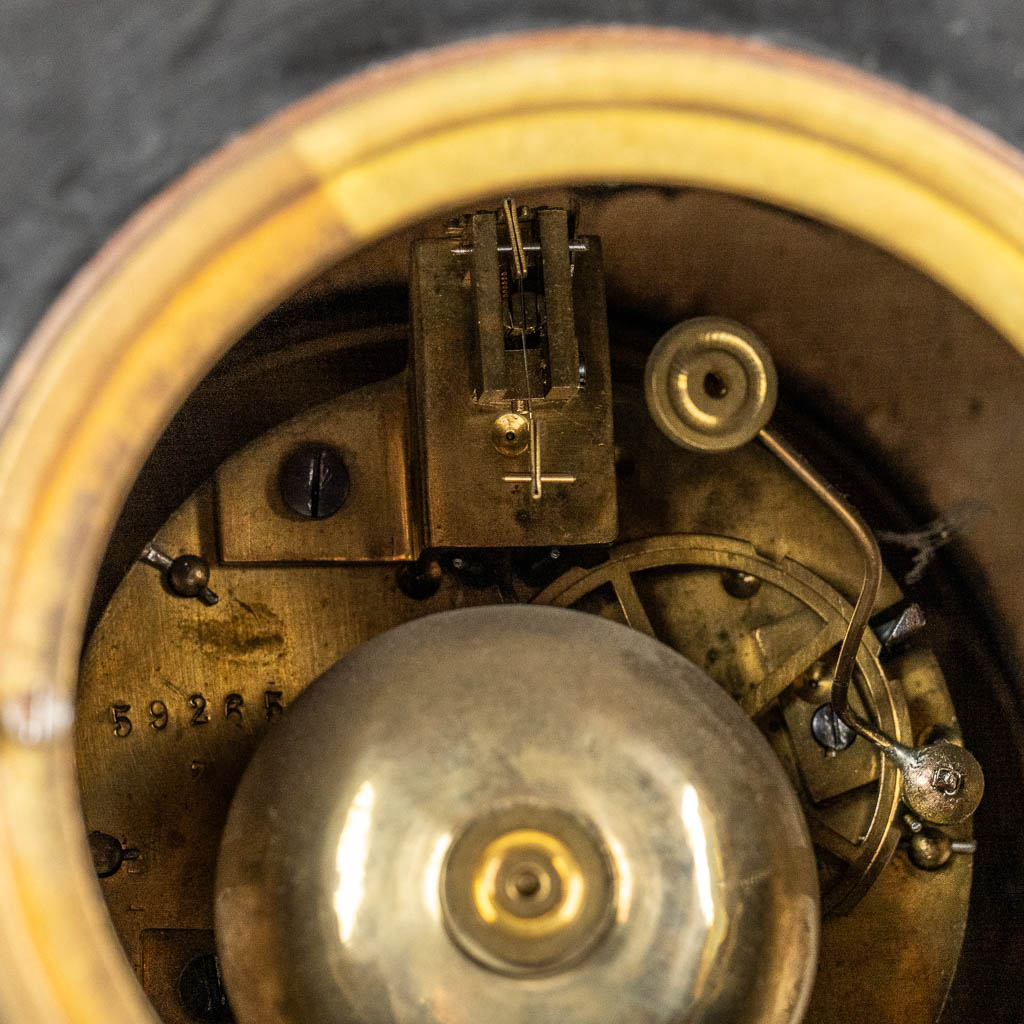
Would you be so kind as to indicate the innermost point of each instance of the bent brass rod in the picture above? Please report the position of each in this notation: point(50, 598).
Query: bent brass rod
point(861, 533)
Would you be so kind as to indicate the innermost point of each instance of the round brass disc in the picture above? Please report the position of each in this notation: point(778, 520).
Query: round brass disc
point(527, 889)
point(710, 384)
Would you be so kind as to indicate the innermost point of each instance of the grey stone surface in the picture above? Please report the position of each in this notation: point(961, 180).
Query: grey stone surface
point(105, 102)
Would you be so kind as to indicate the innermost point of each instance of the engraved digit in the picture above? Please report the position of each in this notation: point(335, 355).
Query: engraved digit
point(272, 702)
point(158, 709)
point(119, 716)
point(198, 701)
point(198, 769)
point(233, 708)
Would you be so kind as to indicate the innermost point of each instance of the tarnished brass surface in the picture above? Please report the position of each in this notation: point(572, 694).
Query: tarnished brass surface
point(851, 822)
point(369, 428)
point(202, 686)
point(277, 627)
point(689, 878)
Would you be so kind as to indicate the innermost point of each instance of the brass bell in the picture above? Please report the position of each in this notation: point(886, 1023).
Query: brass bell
point(516, 814)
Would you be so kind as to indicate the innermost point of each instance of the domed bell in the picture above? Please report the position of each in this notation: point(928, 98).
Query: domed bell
point(516, 814)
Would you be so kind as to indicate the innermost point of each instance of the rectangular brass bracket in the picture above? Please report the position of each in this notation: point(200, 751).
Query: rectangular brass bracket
point(487, 341)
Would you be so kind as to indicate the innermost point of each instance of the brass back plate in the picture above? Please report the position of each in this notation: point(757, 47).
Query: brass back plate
point(369, 428)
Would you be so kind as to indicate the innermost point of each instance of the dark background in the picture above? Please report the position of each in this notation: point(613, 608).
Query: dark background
point(104, 102)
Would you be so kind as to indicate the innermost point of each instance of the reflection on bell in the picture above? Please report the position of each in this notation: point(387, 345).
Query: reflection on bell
point(516, 814)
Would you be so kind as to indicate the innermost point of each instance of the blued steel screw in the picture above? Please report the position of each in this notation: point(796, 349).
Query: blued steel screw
point(201, 991)
point(421, 579)
point(314, 481)
point(830, 731)
point(931, 849)
point(189, 576)
point(741, 585)
point(107, 854)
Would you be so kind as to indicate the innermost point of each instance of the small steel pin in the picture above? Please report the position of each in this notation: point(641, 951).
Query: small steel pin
point(186, 575)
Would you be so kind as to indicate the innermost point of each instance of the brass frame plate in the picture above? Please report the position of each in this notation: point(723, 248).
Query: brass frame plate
point(865, 855)
point(370, 428)
point(136, 331)
point(220, 672)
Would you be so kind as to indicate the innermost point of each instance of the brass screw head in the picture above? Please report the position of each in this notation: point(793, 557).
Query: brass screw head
point(942, 782)
point(314, 481)
point(510, 433)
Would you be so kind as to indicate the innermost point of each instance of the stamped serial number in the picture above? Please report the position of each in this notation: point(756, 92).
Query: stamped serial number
point(198, 711)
